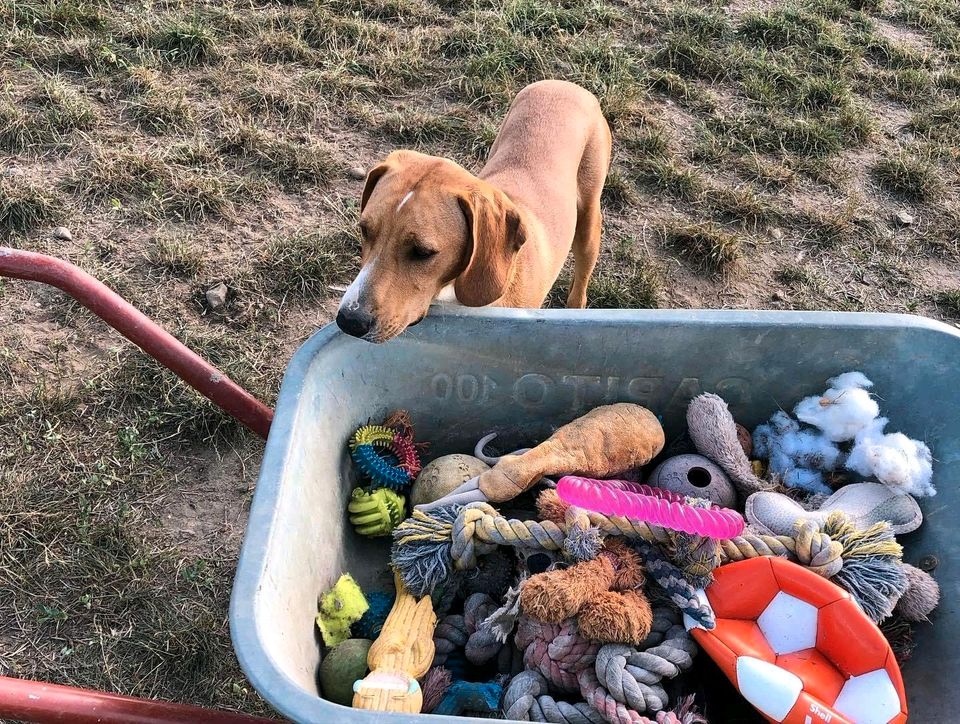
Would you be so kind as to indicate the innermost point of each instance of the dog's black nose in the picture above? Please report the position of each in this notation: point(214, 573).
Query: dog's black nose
point(356, 322)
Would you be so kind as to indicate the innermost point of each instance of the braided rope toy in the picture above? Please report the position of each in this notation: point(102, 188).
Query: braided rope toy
point(653, 505)
point(680, 591)
point(558, 651)
point(866, 563)
point(428, 547)
point(632, 676)
point(620, 683)
point(527, 698)
point(364, 449)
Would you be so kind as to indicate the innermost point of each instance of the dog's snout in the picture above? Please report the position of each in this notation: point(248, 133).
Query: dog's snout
point(355, 322)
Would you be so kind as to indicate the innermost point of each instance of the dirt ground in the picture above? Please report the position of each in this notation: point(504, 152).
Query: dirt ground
point(790, 156)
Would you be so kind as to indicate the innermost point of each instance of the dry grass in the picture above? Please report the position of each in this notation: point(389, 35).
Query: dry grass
point(188, 144)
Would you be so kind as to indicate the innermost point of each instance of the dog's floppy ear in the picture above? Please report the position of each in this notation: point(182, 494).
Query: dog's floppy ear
point(375, 174)
point(495, 234)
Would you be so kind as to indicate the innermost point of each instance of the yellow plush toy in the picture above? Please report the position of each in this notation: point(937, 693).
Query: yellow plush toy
point(401, 655)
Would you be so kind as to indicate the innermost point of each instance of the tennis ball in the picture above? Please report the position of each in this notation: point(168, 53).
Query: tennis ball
point(341, 667)
point(443, 475)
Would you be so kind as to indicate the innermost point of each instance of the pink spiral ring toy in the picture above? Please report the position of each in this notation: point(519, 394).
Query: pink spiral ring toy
point(402, 446)
point(650, 505)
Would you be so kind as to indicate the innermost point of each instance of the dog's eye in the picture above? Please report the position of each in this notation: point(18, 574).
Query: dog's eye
point(420, 252)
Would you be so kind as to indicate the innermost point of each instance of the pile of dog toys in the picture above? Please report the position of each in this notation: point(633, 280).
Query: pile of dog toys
point(587, 594)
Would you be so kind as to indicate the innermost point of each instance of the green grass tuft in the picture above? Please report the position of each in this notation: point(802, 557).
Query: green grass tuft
point(162, 111)
point(949, 301)
point(184, 41)
point(286, 162)
point(707, 246)
point(177, 253)
point(792, 275)
point(909, 176)
point(44, 116)
point(670, 176)
point(618, 191)
point(305, 263)
point(631, 283)
point(24, 205)
point(64, 18)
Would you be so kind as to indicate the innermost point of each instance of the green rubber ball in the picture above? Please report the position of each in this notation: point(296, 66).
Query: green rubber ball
point(341, 667)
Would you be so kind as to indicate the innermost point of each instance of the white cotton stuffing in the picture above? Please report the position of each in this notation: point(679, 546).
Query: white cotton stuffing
point(798, 456)
point(843, 410)
point(844, 413)
point(893, 458)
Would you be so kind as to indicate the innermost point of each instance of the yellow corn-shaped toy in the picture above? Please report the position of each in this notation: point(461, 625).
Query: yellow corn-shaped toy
point(401, 655)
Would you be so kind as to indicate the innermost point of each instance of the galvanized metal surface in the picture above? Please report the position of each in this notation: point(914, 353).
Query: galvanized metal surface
point(466, 372)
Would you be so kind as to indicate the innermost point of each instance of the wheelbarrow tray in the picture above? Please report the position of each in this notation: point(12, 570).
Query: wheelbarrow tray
point(466, 372)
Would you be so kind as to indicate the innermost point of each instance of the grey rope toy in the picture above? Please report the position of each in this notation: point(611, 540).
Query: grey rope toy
point(528, 699)
point(633, 676)
point(671, 579)
point(449, 636)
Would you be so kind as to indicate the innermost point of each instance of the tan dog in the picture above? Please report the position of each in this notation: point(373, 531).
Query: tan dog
point(432, 230)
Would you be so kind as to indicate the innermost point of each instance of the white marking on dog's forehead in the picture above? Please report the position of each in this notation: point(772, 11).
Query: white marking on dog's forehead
point(351, 297)
point(404, 200)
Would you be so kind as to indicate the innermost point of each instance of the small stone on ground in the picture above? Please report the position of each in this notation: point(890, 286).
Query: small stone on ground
point(357, 173)
point(62, 232)
point(904, 218)
point(217, 296)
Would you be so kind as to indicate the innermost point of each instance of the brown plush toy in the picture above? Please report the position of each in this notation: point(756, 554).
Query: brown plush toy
point(604, 594)
point(607, 441)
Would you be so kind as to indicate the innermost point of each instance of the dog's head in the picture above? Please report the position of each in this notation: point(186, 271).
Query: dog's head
point(426, 223)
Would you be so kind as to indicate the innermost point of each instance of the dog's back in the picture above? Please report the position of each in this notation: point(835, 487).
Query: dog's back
point(551, 157)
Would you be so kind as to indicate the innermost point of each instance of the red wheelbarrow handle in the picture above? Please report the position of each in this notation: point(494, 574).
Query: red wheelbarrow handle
point(139, 329)
point(34, 701)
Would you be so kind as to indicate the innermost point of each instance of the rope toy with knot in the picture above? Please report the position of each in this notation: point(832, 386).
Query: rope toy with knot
point(627, 681)
point(696, 556)
point(810, 547)
point(428, 547)
point(611, 689)
point(528, 699)
point(867, 563)
point(873, 570)
point(557, 650)
point(672, 581)
point(482, 644)
point(449, 638)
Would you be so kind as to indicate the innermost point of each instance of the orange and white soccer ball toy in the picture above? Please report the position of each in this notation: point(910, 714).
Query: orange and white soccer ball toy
point(798, 647)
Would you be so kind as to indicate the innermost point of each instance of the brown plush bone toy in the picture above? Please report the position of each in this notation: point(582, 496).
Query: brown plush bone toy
point(606, 441)
point(604, 594)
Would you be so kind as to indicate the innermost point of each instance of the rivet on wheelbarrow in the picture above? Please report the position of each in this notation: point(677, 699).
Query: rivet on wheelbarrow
point(928, 563)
